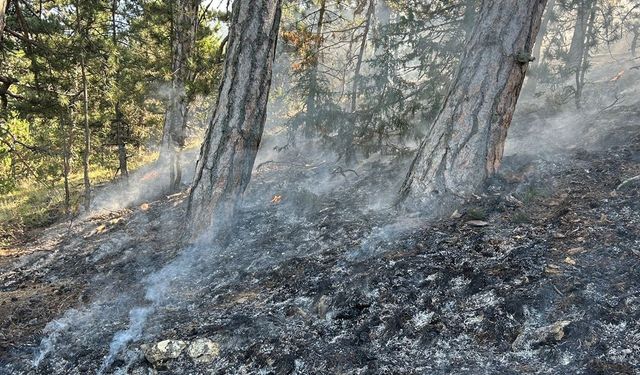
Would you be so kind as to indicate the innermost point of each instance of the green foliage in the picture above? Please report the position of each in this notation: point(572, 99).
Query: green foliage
point(126, 49)
point(410, 52)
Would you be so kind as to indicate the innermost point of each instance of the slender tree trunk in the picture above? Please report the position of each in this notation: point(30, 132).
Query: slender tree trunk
point(349, 150)
point(533, 76)
point(85, 101)
point(312, 98)
point(578, 52)
point(87, 134)
point(66, 134)
point(120, 140)
point(3, 10)
point(185, 25)
point(464, 145)
point(118, 122)
point(234, 133)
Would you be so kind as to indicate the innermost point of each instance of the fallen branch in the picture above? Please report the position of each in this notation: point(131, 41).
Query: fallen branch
point(342, 171)
point(628, 181)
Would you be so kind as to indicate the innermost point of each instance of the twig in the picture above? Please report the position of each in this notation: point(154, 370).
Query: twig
point(341, 171)
point(627, 181)
point(612, 104)
point(557, 290)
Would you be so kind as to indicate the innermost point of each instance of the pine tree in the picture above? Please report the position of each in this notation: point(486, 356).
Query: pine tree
point(234, 133)
point(464, 145)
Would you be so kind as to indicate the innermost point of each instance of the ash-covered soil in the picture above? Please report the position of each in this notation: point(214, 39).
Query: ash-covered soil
point(540, 275)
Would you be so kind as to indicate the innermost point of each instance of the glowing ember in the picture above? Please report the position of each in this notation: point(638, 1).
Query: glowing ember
point(276, 199)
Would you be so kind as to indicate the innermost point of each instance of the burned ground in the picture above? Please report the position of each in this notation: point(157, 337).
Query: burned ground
point(540, 275)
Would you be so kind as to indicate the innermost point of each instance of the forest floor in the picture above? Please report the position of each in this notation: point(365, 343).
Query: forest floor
point(539, 275)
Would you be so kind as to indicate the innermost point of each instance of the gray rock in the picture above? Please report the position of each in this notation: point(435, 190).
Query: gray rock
point(203, 350)
point(162, 351)
point(550, 334)
point(143, 371)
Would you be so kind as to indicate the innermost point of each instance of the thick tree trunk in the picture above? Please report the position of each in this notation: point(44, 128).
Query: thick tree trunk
point(464, 146)
point(634, 42)
point(185, 27)
point(234, 133)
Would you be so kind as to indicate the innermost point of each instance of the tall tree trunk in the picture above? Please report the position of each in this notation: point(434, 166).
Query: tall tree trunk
point(185, 26)
point(312, 98)
point(533, 76)
point(84, 35)
point(66, 134)
point(464, 145)
point(578, 52)
point(349, 151)
point(120, 141)
point(118, 122)
point(234, 133)
point(87, 134)
point(634, 42)
point(3, 10)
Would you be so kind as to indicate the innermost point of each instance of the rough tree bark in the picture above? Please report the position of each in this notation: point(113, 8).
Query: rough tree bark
point(185, 26)
point(464, 146)
point(234, 133)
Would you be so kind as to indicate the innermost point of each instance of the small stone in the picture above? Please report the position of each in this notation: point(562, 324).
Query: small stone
point(163, 350)
point(203, 350)
point(576, 250)
point(477, 223)
point(322, 306)
point(143, 371)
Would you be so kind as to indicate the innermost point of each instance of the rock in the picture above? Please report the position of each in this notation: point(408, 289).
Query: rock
point(530, 339)
point(322, 307)
point(477, 223)
point(143, 371)
point(203, 350)
point(163, 350)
